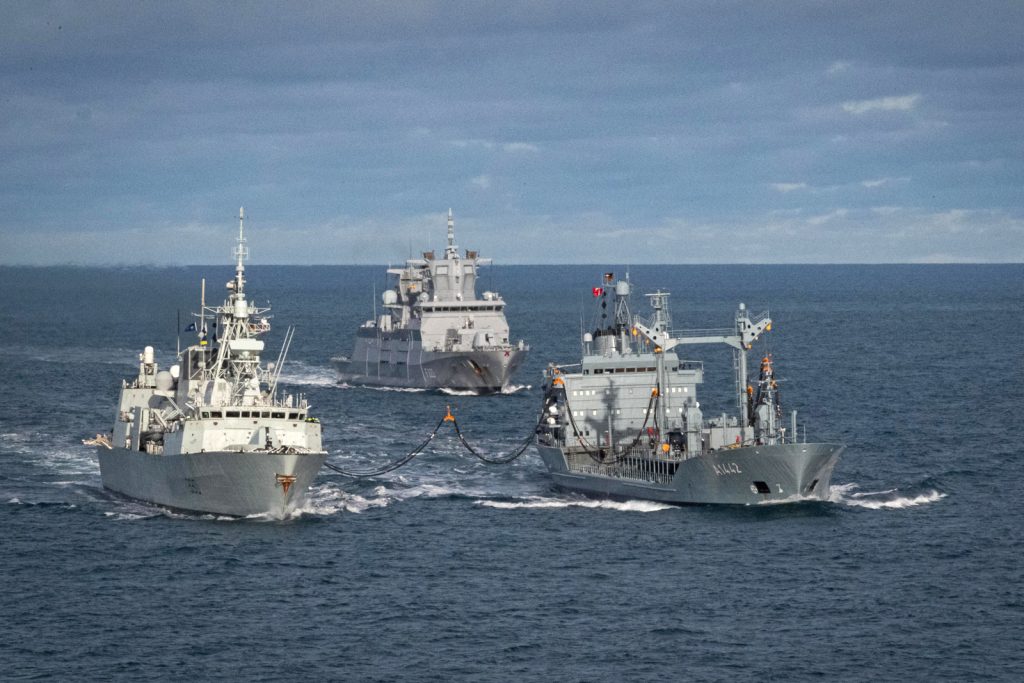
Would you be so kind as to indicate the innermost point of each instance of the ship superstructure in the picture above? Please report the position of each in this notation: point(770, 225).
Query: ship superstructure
point(627, 423)
point(212, 433)
point(434, 331)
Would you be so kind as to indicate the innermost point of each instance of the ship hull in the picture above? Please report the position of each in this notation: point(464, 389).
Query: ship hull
point(738, 476)
point(482, 372)
point(235, 483)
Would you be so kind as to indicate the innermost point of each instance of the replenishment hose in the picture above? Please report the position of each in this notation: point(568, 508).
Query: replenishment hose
point(404, 460)
point(408, 457)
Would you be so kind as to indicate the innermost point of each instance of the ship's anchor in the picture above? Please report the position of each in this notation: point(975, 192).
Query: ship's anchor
point(286, 481)
point(408, 457)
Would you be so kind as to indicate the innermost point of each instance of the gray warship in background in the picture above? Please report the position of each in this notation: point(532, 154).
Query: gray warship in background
point(211, 434)
point(435, 333)
point(626, 423)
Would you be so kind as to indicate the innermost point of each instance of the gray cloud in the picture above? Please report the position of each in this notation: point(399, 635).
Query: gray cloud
point(123, 124)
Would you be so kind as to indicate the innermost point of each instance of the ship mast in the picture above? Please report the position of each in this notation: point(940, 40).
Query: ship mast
point(660, 323)
point(241, 253)
point(451, 251)
point(237, 359)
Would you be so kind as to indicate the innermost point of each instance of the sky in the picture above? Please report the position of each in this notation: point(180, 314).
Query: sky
point(558, 132)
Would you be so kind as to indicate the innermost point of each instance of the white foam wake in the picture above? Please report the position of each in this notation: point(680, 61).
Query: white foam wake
point(329, 499)
point(127, 516)
point(133, 510)
point(298, 373)
point(458, 392)
point(407, 390)
point(554, 503)
point(507, 390)
point(893, 499)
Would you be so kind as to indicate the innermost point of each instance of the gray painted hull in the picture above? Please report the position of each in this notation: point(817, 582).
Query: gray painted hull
point(480, 371)
point(789, 472)
point(224, 483)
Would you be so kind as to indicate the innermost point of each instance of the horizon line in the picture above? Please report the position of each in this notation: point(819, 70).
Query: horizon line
point(574, 264)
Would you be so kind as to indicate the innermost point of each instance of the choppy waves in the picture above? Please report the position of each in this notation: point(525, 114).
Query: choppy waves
point(64, 455)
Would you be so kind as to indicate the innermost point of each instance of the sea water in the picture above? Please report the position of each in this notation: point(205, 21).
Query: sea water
point(452, 569)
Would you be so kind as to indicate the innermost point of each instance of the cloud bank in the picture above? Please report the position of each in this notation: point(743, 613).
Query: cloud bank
point(561, 132)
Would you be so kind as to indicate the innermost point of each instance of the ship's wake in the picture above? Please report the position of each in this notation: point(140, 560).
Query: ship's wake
point(893, 499)
point(404, 390)
point(302, 374)
point(331, 498)
point(297, 373)
point(507, 390)
point(541, 503)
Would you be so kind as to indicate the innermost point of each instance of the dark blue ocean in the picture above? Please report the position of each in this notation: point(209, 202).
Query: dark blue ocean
point(452, 569)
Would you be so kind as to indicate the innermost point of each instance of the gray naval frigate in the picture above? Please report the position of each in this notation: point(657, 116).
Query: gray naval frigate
point(212, 434)
point(626, 422)
point(434, 332)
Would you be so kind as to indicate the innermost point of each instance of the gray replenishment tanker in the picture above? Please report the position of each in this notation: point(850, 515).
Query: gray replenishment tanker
point(435, 333)
point(626, 422)
point(211, 434)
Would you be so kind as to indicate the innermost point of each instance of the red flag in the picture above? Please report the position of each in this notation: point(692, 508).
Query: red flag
point(598, 291)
